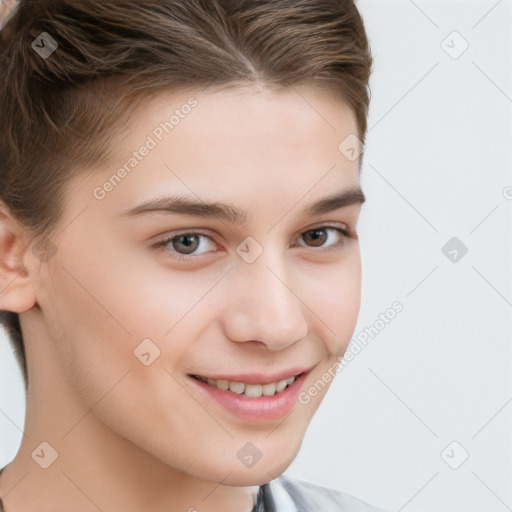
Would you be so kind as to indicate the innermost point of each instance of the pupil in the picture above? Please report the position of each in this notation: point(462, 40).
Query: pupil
point(316, 238)
point(189, 242)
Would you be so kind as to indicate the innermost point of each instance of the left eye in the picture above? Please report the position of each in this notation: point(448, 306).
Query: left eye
point(318, 236)
point(187, 245)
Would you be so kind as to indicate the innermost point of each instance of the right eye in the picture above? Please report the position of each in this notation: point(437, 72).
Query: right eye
point(184, 245)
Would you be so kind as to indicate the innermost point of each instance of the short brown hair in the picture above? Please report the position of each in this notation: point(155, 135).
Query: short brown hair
point(60, 113)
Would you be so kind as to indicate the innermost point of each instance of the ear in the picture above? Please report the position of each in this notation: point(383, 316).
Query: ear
point(16, 290)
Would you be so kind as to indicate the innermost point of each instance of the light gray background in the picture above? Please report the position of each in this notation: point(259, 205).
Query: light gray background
point(437, 165)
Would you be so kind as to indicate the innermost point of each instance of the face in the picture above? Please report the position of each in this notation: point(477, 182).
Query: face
point(252, 285)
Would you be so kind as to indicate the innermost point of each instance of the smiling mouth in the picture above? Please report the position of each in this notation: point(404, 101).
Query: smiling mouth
point(249, 390)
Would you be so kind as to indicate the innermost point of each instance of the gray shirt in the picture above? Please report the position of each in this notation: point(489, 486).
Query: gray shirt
point(289, 494)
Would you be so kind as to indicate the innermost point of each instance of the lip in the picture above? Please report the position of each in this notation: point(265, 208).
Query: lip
point(258, 378)
point(264, 408)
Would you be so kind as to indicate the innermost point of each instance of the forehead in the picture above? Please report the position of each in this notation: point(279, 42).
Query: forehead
point(231, 144)
point(296, 121)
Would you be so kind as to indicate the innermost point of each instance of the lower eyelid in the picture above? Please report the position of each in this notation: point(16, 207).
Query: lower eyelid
point(344, 232)
point(162, 243)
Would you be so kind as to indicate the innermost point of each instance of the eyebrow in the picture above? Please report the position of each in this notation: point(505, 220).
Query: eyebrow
point(182, 205)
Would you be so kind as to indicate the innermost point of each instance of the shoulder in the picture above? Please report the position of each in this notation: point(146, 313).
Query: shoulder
point(308, 497)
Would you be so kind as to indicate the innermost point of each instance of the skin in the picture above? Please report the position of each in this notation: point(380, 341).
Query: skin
point(133, 437)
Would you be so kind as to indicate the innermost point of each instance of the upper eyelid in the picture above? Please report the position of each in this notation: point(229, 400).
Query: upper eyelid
point(208, 233)
point(197, 231)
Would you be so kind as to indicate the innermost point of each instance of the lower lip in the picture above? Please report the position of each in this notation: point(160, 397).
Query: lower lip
point(255, 409)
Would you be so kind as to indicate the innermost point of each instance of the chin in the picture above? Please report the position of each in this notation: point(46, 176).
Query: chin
point(264, 470)
point(251, 476)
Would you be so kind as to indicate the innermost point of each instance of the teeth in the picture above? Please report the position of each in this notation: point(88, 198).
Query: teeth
point(269, 389)
point(281, 385)
point(221, 384)
point(249, 390)
point(237, 387)
point(253, 390)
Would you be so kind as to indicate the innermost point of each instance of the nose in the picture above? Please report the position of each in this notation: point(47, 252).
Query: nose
point(264, 304)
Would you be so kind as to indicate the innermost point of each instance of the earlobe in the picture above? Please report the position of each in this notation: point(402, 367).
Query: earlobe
point(16, 289)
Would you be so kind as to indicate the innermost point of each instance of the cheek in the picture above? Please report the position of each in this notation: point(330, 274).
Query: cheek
point(93, 336)
point(88, 335)
point(335, 297)
point(99, 311)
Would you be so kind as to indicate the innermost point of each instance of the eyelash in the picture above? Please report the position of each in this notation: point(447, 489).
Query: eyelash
point(346, 234)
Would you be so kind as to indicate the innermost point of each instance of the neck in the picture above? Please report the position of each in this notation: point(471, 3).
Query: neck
point(96, 468)
point(84, 478)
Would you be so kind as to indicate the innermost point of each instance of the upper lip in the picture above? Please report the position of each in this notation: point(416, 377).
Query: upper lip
point(257, 377)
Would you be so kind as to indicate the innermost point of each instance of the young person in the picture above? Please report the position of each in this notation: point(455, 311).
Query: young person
point(180, 268)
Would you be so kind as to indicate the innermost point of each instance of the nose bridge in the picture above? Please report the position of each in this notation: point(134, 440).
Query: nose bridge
point(264, 305)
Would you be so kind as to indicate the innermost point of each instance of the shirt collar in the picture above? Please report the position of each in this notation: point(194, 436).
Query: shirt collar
point(283, 501)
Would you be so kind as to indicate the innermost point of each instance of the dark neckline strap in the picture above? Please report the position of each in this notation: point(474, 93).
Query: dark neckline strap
point(264, 500)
